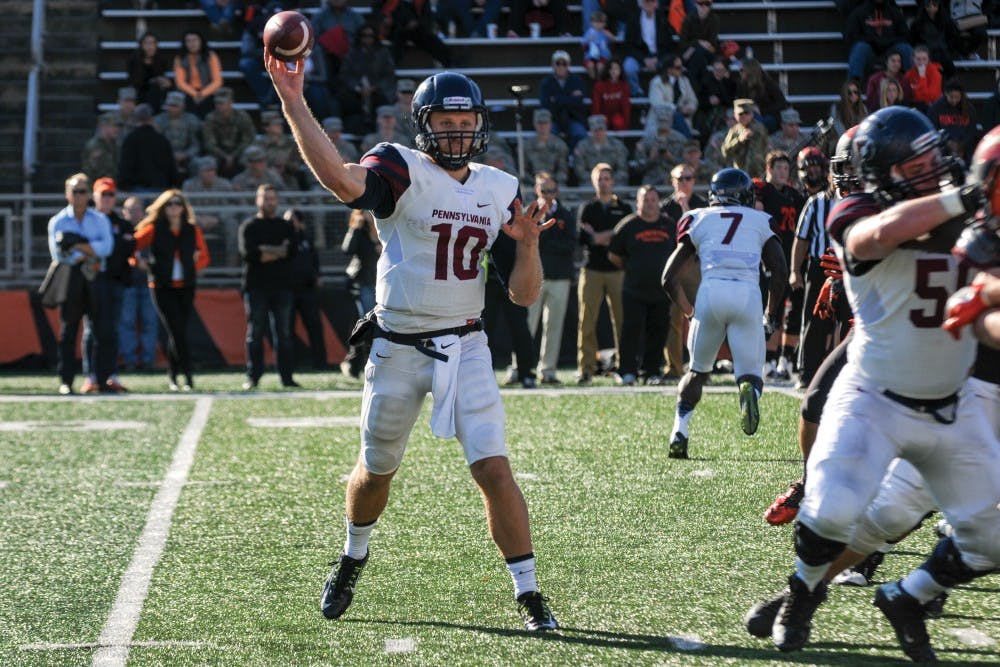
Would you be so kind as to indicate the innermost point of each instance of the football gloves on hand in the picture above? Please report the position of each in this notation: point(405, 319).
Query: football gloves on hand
point(979, 244)
point(831, 265)
point(963, 308)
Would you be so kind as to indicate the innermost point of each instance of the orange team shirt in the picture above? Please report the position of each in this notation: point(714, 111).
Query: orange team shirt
point(144, 239)
point(194, 87)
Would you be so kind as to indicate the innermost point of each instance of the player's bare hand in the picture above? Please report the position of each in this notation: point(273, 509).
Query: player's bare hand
point(526, 223)
point(288, 83)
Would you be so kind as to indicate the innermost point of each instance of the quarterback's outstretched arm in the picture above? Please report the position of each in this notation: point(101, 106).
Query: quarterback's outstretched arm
point(346, 181)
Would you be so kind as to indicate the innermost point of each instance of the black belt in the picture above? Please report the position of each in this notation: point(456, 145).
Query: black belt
point(931, 406)
point(419, 340)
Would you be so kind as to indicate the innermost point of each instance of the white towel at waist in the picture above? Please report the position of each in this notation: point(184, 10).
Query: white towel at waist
point(444, 388)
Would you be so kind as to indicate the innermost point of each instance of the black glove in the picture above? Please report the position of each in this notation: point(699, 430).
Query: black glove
point(973, 197)
point(979, 244)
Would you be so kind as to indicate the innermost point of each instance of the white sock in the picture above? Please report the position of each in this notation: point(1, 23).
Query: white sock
point(681, 421)
point(356, 545)
point(921, 585)
point(810, 574)
point(522, 571)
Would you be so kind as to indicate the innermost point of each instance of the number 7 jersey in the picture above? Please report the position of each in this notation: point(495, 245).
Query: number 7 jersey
point(430, 273)
point(729, 240)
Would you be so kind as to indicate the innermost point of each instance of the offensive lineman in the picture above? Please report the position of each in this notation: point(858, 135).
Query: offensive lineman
point(435, 213)
point(730, 238)
point(882, 405)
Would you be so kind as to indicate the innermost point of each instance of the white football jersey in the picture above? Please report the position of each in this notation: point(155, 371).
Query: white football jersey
point(899, 306)
point(430, 273)
point(729, 240)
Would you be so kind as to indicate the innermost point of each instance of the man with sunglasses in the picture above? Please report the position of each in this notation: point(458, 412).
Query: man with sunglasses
point(81, 237)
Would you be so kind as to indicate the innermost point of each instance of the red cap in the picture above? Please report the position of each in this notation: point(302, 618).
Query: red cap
point(104, 185)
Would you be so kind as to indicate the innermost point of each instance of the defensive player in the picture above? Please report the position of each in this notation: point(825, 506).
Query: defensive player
point(882, 405)
point(436, 213)
point(730, 238)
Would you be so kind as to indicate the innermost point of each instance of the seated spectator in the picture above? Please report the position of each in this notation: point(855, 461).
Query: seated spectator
point(891, 94)
point(893, 70)
point(317, 84)
point(699, 41)
point(147, 159)
point(702, 168)
point(715, 98)
point(713, 148)
point(197, 73)
point(404, 106)
point(334, 127)
point(672, 87)
point(257, 172)
point(227, 132)
point(597, 42)
point(181, 128)
point(757, 85)
point(551, 15)
point(955, 114)
point(924, 78)
point(367, 81)
point(745, 146)
point(100, 153)
point(280, 151)
point(252, 53)
point(147, 71)
point(545, 151)
point(790, 137)
point(402, 22)
point(386, 129)
point(872, 29)
point(850, 109)
point(611, 99)
point(660, 148)
point(648, 43)
point(459, 12)
point(221, 15)
point(125, 113)
point(562, 93)
point(598, 148)
point(933, 27)
point(970, 27)
point(336, 25)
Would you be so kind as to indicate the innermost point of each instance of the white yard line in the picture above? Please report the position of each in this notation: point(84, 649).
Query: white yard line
point(116, 637)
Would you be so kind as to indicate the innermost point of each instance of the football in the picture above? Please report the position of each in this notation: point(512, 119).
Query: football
point(289, 36)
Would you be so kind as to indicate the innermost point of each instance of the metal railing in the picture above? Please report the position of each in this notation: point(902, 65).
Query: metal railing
point(29, 156)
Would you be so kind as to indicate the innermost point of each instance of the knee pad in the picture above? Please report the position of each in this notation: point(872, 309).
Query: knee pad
point(812, 548)
point(947, 567)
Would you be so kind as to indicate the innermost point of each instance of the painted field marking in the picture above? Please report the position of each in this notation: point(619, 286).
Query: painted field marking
point(302, 422)
point(405, 645)
point(72, 425)
point(973, 637)
point(45, 646)
point(703, 473)
point(116, 637)
point(529, 476)
point(687, 642)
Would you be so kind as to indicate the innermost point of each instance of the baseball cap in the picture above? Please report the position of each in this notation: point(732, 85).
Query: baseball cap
point(332, 124)
point(143, 112)
point(253, 153)
point(103, 185)
point(560, 55)
point(126, 93)
point(742, 104)
point(174, 98)
point(207, 162)
point(542, 116)
point(790, 116)
point(268, 117)
point(223, 94)
point(109, 118)
point(597, 122)
point(386, 110)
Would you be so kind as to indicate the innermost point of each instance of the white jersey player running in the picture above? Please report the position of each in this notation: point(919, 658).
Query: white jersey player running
point(436, 213)
point(729, 238)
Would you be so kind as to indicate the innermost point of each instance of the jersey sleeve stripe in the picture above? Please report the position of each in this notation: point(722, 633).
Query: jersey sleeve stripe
point(386, 161)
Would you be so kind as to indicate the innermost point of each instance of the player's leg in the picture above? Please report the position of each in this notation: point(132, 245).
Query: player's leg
point(613, 281)
point(740, 308)
point(590, 294)
point(397, 379)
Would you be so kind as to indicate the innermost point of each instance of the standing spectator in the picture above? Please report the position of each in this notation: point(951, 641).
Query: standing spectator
point(597, 42)
point(100, 153)
point(362, 247)
point(672, 87)
point(872, 29)
point(81, 237)
point(557, 247)
point(305, 288)
point(759, 86)
point(385, 130)
point(257, 172)
point(227, 132)
point(197, 73)
point(790, 140)
point(640, 245)
point(599, 148)
point(893, 71)
point(119, 276)
point(715, 99)
point(336, 25)
point(562, 93)
point(660, 147)
point(219, 228)
point(934, 28)
point(411, 21)
point(147, 159)
point(648, 42)
point(255, 17)
point(954, 114)
point(924, 79)
point(182, 129)
point(850, 109)
point(177, 252)
point(499, 309)
point(745, 145)
point(600, 280)
point(699, 40)
point(367, 81)
point(139, 329)
point(267, 246)
point(545, 151)
point(610, 97)
point(147, 71)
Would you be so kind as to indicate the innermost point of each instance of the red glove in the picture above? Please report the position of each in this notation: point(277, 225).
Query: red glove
point(824, 306)
point(831, 265)
point(963, 308)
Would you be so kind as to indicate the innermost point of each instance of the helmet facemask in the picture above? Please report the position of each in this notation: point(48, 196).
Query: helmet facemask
point(447, 147)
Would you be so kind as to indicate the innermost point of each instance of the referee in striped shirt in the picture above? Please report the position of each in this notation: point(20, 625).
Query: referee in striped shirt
point(811, 241)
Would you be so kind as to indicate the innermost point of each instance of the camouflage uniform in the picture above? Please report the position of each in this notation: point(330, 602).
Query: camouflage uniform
point(552, 156)
point(283, 156)
point(373, 138)
point(780, 142)
point(746, 155)
point(347, 150)
point(100, 158)
point(218, 227)
point(587, 154)
point(227, 138)
point(669, 150)
point(183, 133)
point(245, 180)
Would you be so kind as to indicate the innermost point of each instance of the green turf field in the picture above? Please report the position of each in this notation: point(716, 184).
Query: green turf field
point(647, 560)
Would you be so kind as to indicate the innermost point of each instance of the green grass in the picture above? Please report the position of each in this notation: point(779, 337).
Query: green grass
point(633, 548)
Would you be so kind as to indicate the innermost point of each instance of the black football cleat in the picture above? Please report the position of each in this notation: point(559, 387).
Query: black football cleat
point(678, 446)
point(794, 621)
point(340, 586)
point(935, 608)
point(760, 619)
point(907, 618)
point(534, 609)
point(861, 574)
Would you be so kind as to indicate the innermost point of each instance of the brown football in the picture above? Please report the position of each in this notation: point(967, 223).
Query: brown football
point(289, 36)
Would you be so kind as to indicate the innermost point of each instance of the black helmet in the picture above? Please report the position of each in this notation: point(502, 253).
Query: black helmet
point(449, 91)
point(810, 156)
point(731, 186)
point(895, 135)
point(844, 167)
